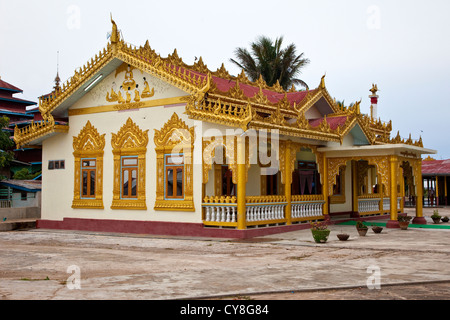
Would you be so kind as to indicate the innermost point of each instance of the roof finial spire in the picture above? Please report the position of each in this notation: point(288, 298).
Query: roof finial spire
point(115, 31)
point(57, 79)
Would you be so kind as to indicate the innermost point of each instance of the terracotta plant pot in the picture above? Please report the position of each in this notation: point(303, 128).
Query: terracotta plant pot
point(436, 220)
point(320, 236)
point(362, 232)
point(343, 236)
point(403, 225)
point(377, 229)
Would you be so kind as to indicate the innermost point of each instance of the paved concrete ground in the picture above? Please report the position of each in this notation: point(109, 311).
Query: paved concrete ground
point(42, 264)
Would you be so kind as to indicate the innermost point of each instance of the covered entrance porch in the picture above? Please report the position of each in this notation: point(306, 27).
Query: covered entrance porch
point(305, 183)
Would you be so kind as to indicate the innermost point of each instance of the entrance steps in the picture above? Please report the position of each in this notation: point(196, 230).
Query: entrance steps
point(19, 218)
point(19, 224)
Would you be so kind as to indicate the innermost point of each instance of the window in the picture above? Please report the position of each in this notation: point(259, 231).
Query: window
point(129, 150)
point(174, 176)
point(174, 166)
point(56, 164)
point(88, 168)
point(228, 187)
point(88, 173)
point(306, 179)
point(129, 177)
point(339, 188)
point(272, 184)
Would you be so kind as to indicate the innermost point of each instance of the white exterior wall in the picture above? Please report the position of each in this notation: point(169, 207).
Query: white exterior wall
point(58, 185)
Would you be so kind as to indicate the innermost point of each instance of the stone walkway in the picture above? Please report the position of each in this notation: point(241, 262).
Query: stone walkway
point(39, 264)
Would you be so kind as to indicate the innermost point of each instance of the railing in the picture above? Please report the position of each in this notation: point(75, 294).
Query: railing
point(386, 204)
point(261, 210)
point(368, 205)
point(5, 203)
point(372, 205)
point(305, 210)
point(266, 209)
point(220, 211)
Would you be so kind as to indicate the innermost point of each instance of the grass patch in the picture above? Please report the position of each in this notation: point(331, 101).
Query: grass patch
point(28, 279)
point(381, 224)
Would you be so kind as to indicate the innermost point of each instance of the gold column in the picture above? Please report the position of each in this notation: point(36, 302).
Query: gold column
point(393, 162)
point(402, 190)
point(437, 191)
point(445, 190)
point(288, 182)
point(419, 219)
point(325, 186)
point(354, 189)
point(241, 183)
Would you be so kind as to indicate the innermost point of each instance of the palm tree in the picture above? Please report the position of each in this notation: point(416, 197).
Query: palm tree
point(272, 62)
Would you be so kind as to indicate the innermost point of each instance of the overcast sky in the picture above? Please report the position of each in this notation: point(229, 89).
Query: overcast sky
point(402, 46)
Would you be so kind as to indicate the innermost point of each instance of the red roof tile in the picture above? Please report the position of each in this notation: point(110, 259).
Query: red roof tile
point(6, 85)
point(334, 122)
point(436, 167)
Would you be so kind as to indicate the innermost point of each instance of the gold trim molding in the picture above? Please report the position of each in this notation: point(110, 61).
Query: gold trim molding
point(129, 141)
point(175, 137)
point(88, 144)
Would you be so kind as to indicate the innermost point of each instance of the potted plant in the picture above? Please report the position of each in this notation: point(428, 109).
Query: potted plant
point(436, 217)
point(403, 222)
point(444, 219)
point(320, 231)
point(377, 229)
point(362, 228)
point(343, 236)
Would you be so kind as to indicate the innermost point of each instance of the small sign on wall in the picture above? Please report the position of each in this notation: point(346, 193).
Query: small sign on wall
point(56, 164)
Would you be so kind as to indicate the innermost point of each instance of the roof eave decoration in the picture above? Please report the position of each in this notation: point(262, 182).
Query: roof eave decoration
point(207, 103)
point(37, 130)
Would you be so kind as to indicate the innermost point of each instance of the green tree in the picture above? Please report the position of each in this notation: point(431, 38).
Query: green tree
point(269, 59)
point(25, 174)
point(6, 156)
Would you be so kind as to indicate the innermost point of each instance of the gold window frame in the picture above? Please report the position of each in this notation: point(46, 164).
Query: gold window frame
point(89, 144)
point(175, 137)
point(129, 141)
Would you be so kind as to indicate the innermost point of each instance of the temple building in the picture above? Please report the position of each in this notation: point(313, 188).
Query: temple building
point(19, 115)
point(436, 179)
point(150, 144)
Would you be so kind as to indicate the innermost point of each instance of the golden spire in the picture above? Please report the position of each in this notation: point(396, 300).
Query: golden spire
point(322, 82)
point(374, 89)
point(115, 32)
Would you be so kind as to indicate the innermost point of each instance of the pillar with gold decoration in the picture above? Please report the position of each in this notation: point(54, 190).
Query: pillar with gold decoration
point(393, 164)
point(241, 183)
point(288, 182)
point(325, 188)
point(419, 218)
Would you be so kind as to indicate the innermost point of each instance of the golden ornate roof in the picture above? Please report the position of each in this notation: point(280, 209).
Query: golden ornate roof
point(218, 97)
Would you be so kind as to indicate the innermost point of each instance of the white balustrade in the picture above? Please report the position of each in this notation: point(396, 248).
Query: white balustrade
point(386, 204)
point(369, 205)
point(266, 211)
point(306, 209)
point(220, 213)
